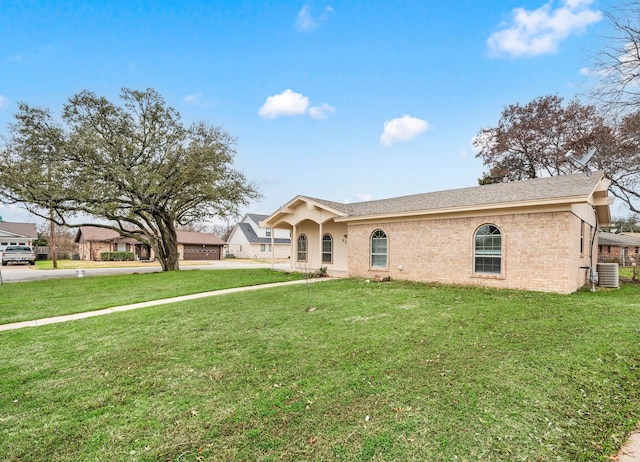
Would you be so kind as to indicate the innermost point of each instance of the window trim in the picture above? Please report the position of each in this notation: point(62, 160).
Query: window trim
point(330, 252)
point(379, 254)
point(299, 252)
point(488, 253)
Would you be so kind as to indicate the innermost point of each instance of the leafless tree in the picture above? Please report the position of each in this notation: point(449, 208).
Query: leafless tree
point(617, 66)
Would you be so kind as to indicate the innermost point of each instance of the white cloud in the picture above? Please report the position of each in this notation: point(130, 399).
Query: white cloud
point(321, 112)
point(586, 71)
point(290, 103)
point(629, 64)
point(360, 197)
point(193, 99)
point(364, 197)
point(536, 32)
point(306, 22)
point(287, 103)
point(198, 100)
point(4, 102)
point(403, 128)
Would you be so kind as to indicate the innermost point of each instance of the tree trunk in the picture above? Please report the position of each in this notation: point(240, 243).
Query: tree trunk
point(167, 252)
point(172, 260)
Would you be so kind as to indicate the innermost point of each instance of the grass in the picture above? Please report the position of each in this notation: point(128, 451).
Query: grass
point(75, 264)
point(392, 371)
point(25, 301)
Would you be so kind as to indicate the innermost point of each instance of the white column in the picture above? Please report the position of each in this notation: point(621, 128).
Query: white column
point(320, 228)
point(294, 243)
point(273, 249)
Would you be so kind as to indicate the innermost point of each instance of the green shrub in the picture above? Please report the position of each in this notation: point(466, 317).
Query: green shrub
point(117, 256)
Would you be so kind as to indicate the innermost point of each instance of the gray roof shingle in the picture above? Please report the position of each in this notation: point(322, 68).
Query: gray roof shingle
point(256, 217)
point(20, 229)
point(618, 240)
point(253, 238)
point(511, 192)
point(96, 233)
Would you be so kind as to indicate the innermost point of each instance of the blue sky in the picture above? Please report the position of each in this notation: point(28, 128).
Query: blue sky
point(342, 100)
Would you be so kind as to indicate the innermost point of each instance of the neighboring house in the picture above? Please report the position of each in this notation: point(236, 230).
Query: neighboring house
point(249, 240)
point(200, 246)
point(93, 240)
point(623, 248)
point(17, 233)
point(534, 234)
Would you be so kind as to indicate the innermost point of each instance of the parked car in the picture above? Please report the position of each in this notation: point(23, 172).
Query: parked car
point(18, 254)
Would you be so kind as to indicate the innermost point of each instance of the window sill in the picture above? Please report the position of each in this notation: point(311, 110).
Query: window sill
point(488, 276)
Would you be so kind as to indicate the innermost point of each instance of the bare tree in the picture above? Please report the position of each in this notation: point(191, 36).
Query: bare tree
point(532, 140)
point(617, 66)
point(223, 231)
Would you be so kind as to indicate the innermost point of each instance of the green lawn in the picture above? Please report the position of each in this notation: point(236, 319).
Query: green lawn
point(347, 370)
point(25, 301)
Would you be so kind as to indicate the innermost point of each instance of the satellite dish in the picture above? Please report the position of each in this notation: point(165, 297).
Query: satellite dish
point(582, 163)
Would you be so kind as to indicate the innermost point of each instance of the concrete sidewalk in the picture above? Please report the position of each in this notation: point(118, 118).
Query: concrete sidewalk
point(630, 452)
point(135, 306)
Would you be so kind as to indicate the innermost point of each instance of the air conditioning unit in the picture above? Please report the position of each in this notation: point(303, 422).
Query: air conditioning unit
point(608, 275)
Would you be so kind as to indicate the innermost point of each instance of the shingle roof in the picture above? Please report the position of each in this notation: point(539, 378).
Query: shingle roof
point(96, 233)
point(253, 238)
point(20, 229)
point(192, 237)
point(618, 240)
point(256, 217)
point(541, 189)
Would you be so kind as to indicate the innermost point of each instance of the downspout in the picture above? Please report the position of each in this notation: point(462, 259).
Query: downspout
point(594, 274)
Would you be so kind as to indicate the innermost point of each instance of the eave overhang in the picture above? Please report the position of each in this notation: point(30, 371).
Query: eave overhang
point(563, 202)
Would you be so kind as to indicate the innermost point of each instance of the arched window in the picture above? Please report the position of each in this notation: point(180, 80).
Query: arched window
point(378, 249)
point(327, 248)
point(302, 248)
point(488, 250)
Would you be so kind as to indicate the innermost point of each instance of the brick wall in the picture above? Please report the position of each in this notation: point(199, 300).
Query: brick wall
point(92, 250)
point(541, 251)
point(615, 254)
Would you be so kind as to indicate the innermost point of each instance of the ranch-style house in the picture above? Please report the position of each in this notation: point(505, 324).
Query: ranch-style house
point(539, 234)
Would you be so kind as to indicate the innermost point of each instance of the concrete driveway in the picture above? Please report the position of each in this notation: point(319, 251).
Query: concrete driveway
point(17, 273)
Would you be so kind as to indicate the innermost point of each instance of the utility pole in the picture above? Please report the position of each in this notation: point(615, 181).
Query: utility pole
point(52, 239)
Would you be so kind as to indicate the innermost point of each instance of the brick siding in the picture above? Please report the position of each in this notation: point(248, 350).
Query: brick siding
point(540, 251)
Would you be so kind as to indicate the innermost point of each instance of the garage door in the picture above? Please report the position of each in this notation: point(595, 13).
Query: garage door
point(200, 252)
